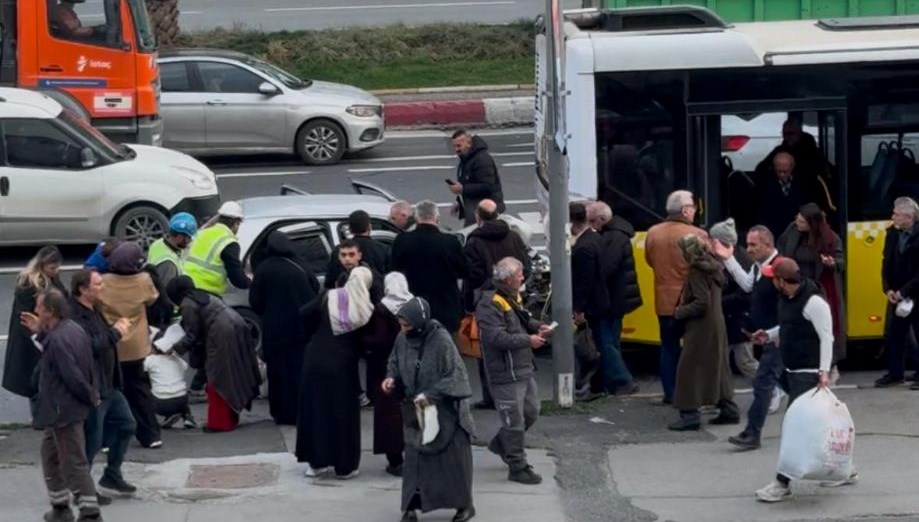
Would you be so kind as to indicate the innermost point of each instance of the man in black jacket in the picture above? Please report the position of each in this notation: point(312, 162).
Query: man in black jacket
point(900, 278)
point(783, 191)
point(617, 270)
point(373, 253)
point(477, 175)
point(491, 242)
point(112, 420)
point(433, 263)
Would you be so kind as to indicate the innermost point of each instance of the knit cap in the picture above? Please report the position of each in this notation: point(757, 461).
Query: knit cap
point(725, 231)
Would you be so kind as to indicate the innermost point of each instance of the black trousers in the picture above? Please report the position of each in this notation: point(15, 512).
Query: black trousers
point(137, 391)
point(174, 406)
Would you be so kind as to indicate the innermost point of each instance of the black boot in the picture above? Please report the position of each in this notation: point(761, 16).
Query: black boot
point(59, 514)
point(410, 516)
point(745, 441)
point(524, 476)
point(463, 515)
point(689, 421)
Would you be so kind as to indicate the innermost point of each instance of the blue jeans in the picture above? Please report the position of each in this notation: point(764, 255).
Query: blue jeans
point(768, 376)
point(671, 332)
point(114, 423)
point(607, 332)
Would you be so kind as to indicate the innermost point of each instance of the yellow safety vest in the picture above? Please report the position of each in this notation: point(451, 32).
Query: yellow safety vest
point(160, 252)
point(203, 264)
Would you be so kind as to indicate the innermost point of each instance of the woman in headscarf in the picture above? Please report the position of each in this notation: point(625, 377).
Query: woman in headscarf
point(378, 339)
point(425, 367)
point(703, 373)
point(280, 288)
point(329, 424)
point(219, 336)
point(41, 274)
point(127, 293)
point(811, 242)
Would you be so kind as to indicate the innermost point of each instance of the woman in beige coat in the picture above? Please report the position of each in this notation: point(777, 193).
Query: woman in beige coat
point(127, 293)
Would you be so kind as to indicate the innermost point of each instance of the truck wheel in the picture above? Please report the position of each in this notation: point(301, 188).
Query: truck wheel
point(321, 142)
point(142, 224)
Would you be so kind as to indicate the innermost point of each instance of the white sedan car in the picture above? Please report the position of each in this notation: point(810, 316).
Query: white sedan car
point(221, 102)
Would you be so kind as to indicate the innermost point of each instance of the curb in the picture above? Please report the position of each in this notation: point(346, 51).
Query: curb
point(487, 112)
point(459, 88)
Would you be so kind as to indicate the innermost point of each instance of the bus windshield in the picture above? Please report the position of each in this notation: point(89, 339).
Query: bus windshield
point(146, 40)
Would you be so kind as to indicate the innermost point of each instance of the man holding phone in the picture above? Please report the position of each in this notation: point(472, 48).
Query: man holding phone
point(509, 334)
point(477, 175)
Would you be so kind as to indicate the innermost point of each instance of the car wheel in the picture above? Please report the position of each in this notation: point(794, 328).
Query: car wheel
point(321, 142)
point(142, 224)
point(254, 322)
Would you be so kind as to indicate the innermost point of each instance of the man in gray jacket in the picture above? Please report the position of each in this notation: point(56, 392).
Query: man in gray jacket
point(509, 335)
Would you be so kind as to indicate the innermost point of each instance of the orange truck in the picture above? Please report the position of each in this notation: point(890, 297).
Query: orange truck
point(100, 54)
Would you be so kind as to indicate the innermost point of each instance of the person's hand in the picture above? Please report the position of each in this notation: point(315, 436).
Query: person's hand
point(456, 188)
point(824, 380)
point(722, 251)
point(892, 297)
point(421, 401)
point(544, 331)
point(760, 337)
point(122, 326)
point(827, 260)
point(579, 318)
point(537, 341)
point(97, 401)
point(29, 321)
point(455, 210)
point(388, 386)
point(898, 296)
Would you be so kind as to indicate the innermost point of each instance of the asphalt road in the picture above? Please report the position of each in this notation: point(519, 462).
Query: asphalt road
point(411, 165)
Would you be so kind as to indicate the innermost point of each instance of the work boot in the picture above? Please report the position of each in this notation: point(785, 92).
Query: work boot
point(59, 514)
point(116, 483)
point(745, 441)
point(524, 476)
point(410, 516)
point(464, 515)
point(90, 515)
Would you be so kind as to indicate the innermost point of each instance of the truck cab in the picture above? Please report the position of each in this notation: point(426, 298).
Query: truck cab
point(101, 53)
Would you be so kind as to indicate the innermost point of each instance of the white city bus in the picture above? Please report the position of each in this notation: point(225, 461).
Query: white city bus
point(650, 91)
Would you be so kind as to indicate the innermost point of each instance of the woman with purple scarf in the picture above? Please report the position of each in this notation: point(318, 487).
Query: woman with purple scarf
point(329, 424)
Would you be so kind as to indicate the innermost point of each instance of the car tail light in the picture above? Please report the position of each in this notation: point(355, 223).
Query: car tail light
point(733, 143)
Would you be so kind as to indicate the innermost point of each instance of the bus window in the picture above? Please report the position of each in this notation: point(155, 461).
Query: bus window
point(84, 22)
point(636, 162)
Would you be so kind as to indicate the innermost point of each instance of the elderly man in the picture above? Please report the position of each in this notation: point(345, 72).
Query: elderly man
point(900, 278)
point(509, 335)
point(402, 215)
point(670, 271)
point(782, 193)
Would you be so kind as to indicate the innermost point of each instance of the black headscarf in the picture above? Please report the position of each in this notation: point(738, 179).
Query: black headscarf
point(417, 312)
point(127, 259)
point(183, 286)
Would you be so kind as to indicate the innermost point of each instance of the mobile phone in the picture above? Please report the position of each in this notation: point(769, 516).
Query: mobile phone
point(449, 181)
point(553, 326)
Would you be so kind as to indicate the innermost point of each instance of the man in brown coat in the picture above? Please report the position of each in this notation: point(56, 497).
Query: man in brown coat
point(670, 270)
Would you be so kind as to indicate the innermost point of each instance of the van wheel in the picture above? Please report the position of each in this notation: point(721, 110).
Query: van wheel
point(141, 224)
point(321, 142)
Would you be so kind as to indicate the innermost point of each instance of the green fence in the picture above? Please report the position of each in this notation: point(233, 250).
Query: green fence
point(768, 10)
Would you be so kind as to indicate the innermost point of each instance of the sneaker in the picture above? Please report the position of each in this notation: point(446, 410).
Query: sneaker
point(525, 476)
point(365, 401)
point(851, 481)
point(316, 473)
point(157, 444)
point(778, 396)
point(745, 441)
point(774, 492)
point(116, 484)
point(190, 423)
point(349, 476)
point(94, 516)
point(59, 514)
point(171, 421)
point(888, 381)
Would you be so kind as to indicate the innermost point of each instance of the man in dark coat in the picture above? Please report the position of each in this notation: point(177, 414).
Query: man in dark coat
point(491, 242)
point(281, 286)
point(433, 263)
point(477, 175)
point(588, 297)
point(373, 253)
point(68, 386)
point(782, 193)
point(617, 271)
point(900, 277)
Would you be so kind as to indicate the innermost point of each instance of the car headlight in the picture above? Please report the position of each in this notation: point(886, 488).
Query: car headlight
point(198, 179)
point(365, 111)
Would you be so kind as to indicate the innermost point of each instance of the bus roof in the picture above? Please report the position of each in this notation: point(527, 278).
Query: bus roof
point(800, 42)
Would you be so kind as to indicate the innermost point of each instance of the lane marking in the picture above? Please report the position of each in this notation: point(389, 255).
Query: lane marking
point(401, 135)
point(390, 6)
point(520, 145)
point(190, 12)
point(16, 270)
point(401, 169)
point(261, 174)
point(519, 164)
point(432, 157)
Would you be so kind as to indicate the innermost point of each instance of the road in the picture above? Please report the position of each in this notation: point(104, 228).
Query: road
point(412, 165)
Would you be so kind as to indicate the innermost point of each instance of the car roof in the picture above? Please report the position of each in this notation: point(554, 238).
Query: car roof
point(25, 103)
point(202, 52)
point(314, 205)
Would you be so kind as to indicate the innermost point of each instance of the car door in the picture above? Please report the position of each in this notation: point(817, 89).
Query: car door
point(237, 115)
point(182, 105)
point(48, 195)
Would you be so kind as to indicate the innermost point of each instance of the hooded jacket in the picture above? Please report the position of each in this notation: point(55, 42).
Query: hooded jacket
point(127, 293)
point(478, 174)
point(617, 265)
point(488, 244)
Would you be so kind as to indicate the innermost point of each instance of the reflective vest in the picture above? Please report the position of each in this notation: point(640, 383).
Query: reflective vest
point(160, 253)
point(203, 264)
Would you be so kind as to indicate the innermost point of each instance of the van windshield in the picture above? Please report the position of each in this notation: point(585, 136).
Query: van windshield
point(94, 137)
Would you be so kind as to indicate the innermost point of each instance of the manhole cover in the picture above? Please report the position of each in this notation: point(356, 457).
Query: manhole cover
point(232, 476)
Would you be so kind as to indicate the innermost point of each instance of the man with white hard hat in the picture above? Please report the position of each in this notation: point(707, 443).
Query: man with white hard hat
point(213, 261)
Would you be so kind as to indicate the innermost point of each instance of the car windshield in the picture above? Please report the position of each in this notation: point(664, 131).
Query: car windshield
point(291, 81)
point(92, 135)
point(146, 39)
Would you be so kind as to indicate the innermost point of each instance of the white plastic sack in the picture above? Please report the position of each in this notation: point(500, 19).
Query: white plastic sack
point(818, 438)
point(427, 419)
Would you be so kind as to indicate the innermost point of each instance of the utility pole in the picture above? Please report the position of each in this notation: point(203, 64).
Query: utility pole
point(559, 255)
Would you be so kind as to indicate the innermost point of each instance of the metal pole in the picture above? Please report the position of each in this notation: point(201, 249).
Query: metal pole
point(559, 255)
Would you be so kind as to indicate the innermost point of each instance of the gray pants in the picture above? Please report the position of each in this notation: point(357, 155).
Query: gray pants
point(518, 408)
point(63, 459)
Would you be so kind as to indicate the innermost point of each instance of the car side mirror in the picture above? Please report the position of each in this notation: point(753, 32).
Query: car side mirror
point(87, 158)
point(268, 89)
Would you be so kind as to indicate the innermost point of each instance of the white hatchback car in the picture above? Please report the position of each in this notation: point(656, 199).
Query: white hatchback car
point(63, 181)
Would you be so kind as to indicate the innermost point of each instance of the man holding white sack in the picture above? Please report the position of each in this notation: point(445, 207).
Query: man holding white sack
point(804, 336)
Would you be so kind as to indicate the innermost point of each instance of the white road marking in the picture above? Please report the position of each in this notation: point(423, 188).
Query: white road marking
point(414, 134)
point(264, 174)
point(432, 157)
point(191, 12)
point(390, 6)
point(519, 164)
point(16, 270)
point(399, 169)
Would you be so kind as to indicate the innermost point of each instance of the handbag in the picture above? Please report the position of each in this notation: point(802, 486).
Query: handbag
point(467, 339)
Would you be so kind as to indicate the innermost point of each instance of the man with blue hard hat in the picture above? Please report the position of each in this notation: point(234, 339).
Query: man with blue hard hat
point(167, 254)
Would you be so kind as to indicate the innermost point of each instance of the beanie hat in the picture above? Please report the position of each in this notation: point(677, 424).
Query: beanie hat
point(725, 231)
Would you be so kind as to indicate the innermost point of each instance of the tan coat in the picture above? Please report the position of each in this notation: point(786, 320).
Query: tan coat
point(128, 296)
point(665, 259)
